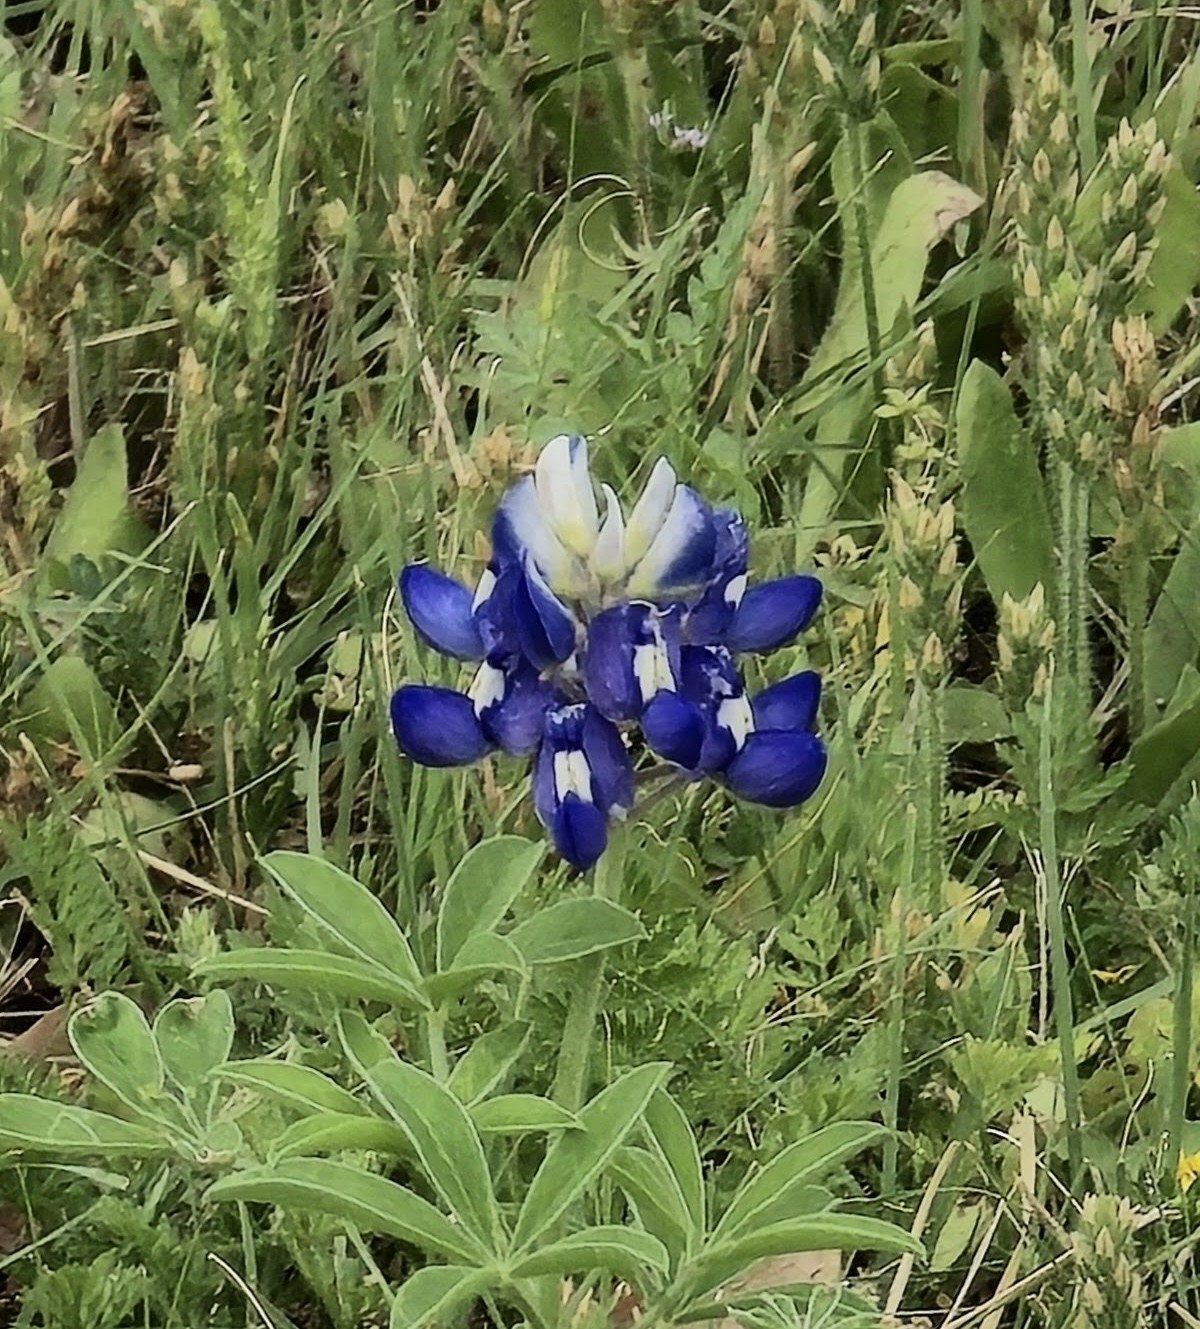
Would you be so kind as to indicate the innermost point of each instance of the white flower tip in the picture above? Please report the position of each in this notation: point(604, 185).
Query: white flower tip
point(564, 486)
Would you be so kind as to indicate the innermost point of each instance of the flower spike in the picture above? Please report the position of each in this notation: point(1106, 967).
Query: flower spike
point(587, 625)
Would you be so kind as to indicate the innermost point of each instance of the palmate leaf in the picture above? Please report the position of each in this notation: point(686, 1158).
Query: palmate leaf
point(578, 1157)
point(29, 1123)
point(623, 1251)
point(347, 911)
point(443, 1136)
point(482, 889)
point(314, 971)
point(816, 1232)
point(370, 1202)
point(763, 1197)
point(433, 1294)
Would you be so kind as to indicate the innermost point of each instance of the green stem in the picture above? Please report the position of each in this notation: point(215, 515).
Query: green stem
point(1137, 612)
point(575, 1050)
point(435, 1037)
point(1072, 612)
point(933, 779)
point(1181, 1050)
point(862, 236)
point(1060, 973)
point(1081, 76)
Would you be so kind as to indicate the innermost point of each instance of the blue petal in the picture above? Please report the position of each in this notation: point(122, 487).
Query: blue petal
point(772, 614)
point(709, 618)
point(441, 611)
point(608, 760)
point(791, 704)
point(515, 722)
point(437, 726)
point(675, 729)
point(544, 624)
point(608, 675)
point(580, 831)
point(777, 767)
point(545, 800)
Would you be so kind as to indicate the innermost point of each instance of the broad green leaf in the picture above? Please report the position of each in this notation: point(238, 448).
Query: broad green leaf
point(331, 1132)
point(920, 211)
point(799, 1165)
point(1164, 752)
point(480, 956)
point(646, 1179)
point(1003, 502)
point(516, 1113)
point(972, 714)
point(577, 1158)
point(623, 1251)
point(672, 1133)
point(572, 928)
point(481, 890)
point(298, 1086)
point(67, 701)
point(31, 1123)
point(447, 1143)
point(113, 1040)
point(347, 910)
point(1173, 633)
point(488, 1060)
point(364, 1043)
point(817, 1232)
point(432, 1295)
point(1175, 265)
point(194, 1036)
point(313, 971)
point(96, 518)
point(370, 1202)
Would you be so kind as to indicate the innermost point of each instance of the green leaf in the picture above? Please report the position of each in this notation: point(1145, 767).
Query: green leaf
point(96, 518)
point(1173, 632)
point(433, 1295)
point(762, 1196)
point(646, 1179)
point(347, 910)
point(972, 714)
point(1003, 502)
point(298, 1086)
point(488, 1060)
point(920, 210)
point(445, 1140)
point(113, 1040)
point(623, 1251)
point(576, 1158)
point(1174, 269)
point(572, 928)
point(194, 1036)
point(31, 1123)
point(362, 1040)
point(481, 890)
point(479, 958)
point(515, 1113)
point(817, 1232)
point(672, 1134)
point(68, 702)
point(331, 1132)
point(370, 1202)
point(313, 971)
point(1164, 752)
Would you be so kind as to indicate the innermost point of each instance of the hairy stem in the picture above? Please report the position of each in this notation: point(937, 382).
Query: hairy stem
point(1060, 972)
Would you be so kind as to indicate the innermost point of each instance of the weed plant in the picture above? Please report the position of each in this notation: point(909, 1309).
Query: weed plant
point(291, 293)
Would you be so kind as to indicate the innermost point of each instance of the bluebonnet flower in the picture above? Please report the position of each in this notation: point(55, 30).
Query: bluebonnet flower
point(587, 624)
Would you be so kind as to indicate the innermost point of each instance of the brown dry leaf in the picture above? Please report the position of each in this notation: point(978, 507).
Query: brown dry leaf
point(781, 1271)
point(45, 1038)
